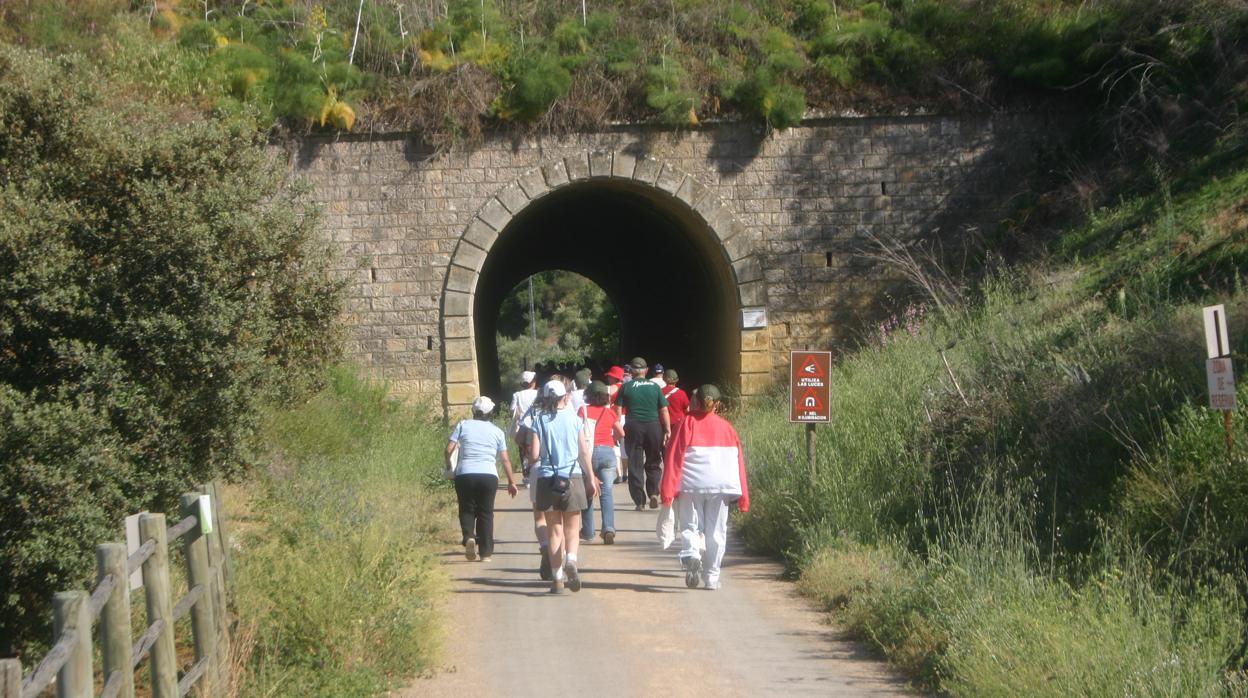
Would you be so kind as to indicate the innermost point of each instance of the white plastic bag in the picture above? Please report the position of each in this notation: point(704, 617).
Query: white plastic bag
point(665, 527)
point(448, 471)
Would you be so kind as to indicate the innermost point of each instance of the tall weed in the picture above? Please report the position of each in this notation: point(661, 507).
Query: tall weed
point(1027, 496)
point(339, 578)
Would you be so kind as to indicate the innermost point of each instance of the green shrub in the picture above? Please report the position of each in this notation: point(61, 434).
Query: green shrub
point(976, 619)
point(667, 92)
point(339, 578)
point(1187, 496)
point(1023, 495)
point(157, 284)
point(539, 80)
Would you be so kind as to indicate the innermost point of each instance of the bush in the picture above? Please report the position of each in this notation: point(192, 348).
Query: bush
point(976, 619)
point(1187, 496)
point(338, 578)
point(157, 284)
point(1025, 494)
point(538, 79)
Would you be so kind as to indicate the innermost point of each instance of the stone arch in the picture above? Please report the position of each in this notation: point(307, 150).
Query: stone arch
point(659, 183)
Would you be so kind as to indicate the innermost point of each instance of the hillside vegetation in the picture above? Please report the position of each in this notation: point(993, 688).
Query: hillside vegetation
point(1053, 511)
point(573, 322)
point(1021, 492)
point(450, 68)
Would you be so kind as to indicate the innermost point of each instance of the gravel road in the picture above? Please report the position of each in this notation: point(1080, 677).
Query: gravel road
point(634, 629)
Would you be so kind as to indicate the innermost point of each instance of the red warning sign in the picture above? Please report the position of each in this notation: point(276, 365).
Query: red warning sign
point(810, 390)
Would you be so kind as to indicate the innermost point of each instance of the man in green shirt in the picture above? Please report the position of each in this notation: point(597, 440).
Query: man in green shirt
point(646, 431)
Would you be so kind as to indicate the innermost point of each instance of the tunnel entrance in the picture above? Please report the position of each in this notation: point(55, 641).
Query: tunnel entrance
point(657, 260)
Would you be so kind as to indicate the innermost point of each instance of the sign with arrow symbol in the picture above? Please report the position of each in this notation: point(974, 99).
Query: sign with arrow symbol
point(810, 390)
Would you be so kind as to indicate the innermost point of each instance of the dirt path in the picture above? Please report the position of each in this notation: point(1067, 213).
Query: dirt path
point(634, 629)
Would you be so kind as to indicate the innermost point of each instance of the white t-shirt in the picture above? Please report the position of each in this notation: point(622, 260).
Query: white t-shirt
point(577, 400)
point(521, 401)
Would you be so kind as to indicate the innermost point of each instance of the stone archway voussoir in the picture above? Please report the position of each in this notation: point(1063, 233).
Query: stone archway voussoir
point(670, 179)
point(556, 174)
point(461, 279)
point(753, 294)
point(692, 192)
point(600, 165)
point(577, 167)
point(534, 183)
point(513, 198)
point(469, 256)
point(748, 269)
point(457, 304)
point(738, 245)
point(480, 233)
point(495, 214)
point(623, 165)
point(646, 170)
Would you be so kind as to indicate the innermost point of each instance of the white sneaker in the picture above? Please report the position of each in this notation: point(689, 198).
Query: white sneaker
point(470, 549)
point(693, 571)
point(712, 584)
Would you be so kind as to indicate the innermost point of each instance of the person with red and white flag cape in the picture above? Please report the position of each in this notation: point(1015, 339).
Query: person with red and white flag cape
point(704, 472)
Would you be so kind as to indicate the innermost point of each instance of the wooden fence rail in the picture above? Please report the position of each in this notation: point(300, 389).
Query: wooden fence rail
point(208, 575)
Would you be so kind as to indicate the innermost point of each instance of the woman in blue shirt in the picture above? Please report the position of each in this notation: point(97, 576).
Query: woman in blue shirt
point(480, 445)
point(561, 449)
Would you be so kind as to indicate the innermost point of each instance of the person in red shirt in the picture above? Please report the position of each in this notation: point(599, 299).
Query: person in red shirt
point(613, 379)
point(606, 430)
point(703, 473)
point(677, 399)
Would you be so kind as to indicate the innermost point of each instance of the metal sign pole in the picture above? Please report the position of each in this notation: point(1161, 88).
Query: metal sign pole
point(810, 449)
point(1226, 424)
point(1220, 369)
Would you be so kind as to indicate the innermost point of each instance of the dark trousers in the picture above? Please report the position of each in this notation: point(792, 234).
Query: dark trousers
point(476, 509)
point(643, 442)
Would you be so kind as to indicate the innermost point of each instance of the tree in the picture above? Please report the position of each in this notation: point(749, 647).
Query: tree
point(158, 284)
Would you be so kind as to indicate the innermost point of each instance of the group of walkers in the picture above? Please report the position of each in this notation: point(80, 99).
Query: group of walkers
point(578, 438)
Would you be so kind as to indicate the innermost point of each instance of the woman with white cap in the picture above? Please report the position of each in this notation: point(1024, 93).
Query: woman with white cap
point(480, 445)
point(560, 446)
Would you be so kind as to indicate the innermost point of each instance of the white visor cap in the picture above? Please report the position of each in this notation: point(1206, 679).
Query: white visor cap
point(554, 388)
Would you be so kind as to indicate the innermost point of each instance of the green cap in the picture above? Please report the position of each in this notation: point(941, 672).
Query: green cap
point(597, 388)
point(582, 377)
point(670, 375)
point(709, 392)
point(638, 362)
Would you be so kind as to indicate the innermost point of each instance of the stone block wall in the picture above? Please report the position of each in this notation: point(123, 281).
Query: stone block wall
point(810, 199)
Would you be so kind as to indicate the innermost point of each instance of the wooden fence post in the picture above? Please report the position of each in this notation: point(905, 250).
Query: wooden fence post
point(216, 562)
point(115, 636)
point(71, 613)
point(159, 607)
point(10, 678)
point(198, 574)
point(218, 513)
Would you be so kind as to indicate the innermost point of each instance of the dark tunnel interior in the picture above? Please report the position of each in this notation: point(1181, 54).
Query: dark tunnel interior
point(655, 259)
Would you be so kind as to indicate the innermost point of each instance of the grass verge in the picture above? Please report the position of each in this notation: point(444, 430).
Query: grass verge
point(337, 577)
point(1027, 495)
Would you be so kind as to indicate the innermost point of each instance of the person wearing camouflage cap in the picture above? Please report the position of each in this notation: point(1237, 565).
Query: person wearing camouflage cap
point(703, 474)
